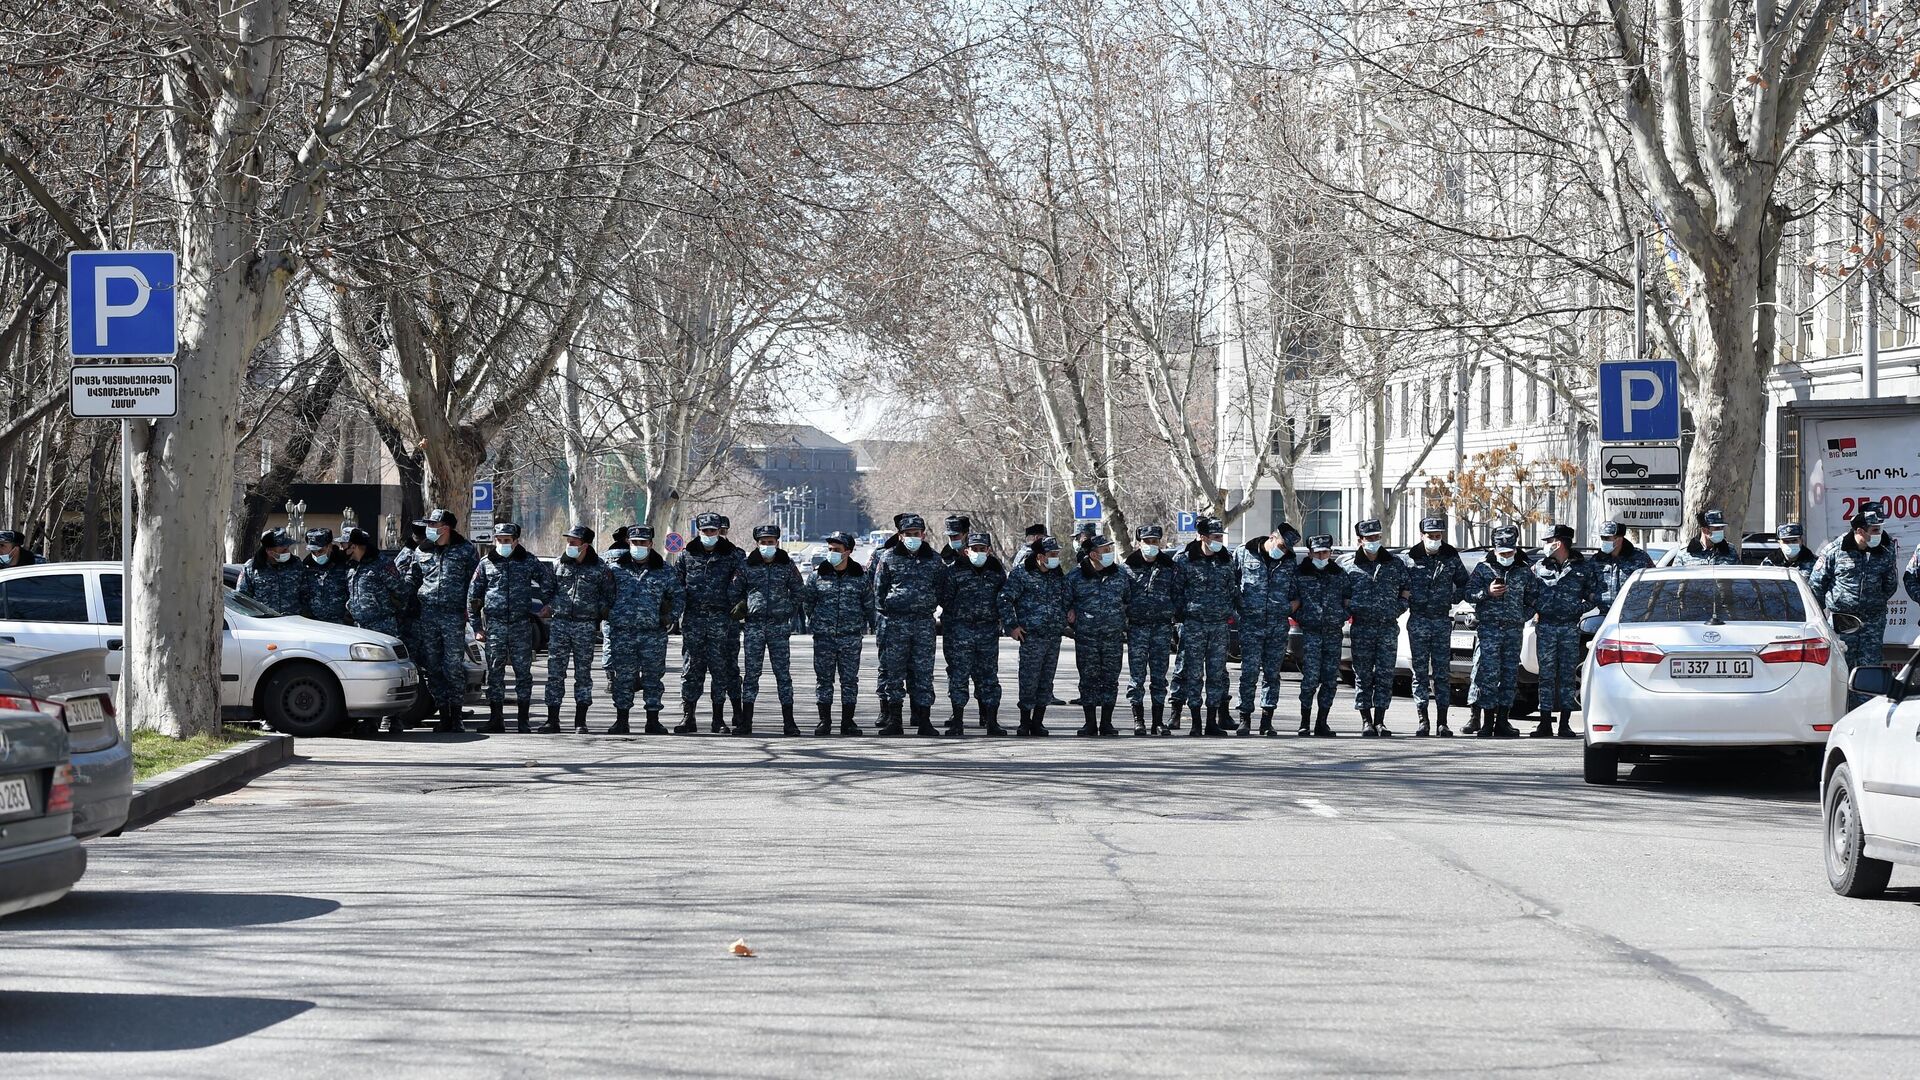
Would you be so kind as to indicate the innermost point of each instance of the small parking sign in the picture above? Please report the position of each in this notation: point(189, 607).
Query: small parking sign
point(1086, 506)
point(483, 496)
point(1183, 521)
point(122, 304)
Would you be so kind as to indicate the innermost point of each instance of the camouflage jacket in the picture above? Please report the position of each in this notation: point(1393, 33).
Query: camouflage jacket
point(710, 577)
point(511, 588)
point(1156, 596)
point(323, 589)
point(1036, 599)
point(838, 602)
point(771, 587)
point(1209, 584)
point(582, 589)
point(1099, 596)
point(908, 584)
point(1614, 570)
point(376, 591)
point(1720, 554)
point(646, 593)
point(974, 593)
point(442, 575)
point(1513, 609)
point(1436, 581)
point(1325, 595)
point(1266, 583)
point(277, 585)
point(1855, 580)
point(1564, 593)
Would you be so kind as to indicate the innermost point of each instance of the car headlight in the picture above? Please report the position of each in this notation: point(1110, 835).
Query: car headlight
point(370, 652)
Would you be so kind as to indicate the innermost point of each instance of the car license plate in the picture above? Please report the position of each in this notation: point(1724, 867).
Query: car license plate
point(84, 711)
point(406, 677)
point(1716, 667)
point(13, 796)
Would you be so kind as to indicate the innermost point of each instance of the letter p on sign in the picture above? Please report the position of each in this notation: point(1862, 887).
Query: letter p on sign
point(1640, 401)
point(122, 304)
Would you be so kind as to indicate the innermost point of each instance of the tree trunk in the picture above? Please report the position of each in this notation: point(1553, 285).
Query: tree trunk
point(1729, 412)
point(452, 464)
point(90, 517)
point(580, 508)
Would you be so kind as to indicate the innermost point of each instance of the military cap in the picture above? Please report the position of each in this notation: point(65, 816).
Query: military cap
point(1036, 530)
point(272, 538)
point(1868, 517)
point(1369, 527)
point(1148, 532)
point(706, 521)
point(1320, 542)
point(356, 536)
point(1562, 532)
point(1099, 540)
point(580, 533)
point(844, 539)
point(1207, 526)
point(1611, 529)
point(319, 538)
point(980, 539)
point(1792, 530)
point(439, 516)
point(959, 524)
point(1711, 519)
point(766, 532)
point(639, 532)
point(1506, 538)
point(1433, 524)
point(903, 522)
point(1049, 546)
point(506, 528)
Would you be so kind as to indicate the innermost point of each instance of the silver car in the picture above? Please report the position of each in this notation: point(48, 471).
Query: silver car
point(39, 858)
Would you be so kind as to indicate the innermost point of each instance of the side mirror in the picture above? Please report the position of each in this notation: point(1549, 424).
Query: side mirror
point(1876, 681)
point(1590, 625)
point(1845, 623)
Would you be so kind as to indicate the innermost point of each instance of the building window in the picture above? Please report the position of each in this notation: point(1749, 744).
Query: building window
point(1320, 511)
point(1322, 434)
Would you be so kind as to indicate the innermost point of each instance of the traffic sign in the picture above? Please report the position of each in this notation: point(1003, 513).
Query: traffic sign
point(124, 391)
point(1640, 401)
point(676, 543)
point(483, 496)
point(1183, 521)
point(1631, 466)
point(1086, 506)
point(1644, 508)
point(122, 304)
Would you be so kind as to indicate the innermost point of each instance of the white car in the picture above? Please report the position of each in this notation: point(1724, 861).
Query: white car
point(301, 676)
point(1870, 782)
point(1704, 658)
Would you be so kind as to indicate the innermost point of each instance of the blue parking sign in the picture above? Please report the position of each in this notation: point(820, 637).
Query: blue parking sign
point(483, 496)
point(1183, 521)
point(122, 304)
point(1640, 401)
point(1086, 506)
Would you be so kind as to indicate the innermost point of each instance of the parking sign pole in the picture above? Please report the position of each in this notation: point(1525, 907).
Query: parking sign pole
point(126, 570)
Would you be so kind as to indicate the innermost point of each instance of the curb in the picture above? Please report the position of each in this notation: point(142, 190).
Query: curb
point(176, 789)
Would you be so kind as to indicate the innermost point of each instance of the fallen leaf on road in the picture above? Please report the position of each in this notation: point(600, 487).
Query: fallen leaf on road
point(739, 948)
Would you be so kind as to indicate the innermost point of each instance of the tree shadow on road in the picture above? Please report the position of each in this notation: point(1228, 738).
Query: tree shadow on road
point(111, 909)
point(52, 1022)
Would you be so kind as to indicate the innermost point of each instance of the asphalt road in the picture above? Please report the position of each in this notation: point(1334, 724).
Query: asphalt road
point(562, 906)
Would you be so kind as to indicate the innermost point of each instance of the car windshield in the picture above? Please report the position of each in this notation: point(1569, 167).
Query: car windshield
point(1713, 599)
point(247, 605)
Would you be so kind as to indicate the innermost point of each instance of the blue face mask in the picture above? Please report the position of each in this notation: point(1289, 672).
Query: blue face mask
point(283, 556)
point(912, 543)
point(1320, 563)
point(834, 558)
point(766, 551)
point(977, 558)
point(638, 551)
point(1372, 546)
point(1214, 546)
point(1873, 539)
point(504, 549)
point(1791, 551)
point(1719, 536)
point(433, 535)
point(573, 551)
point(321, 559)
point(1149, 552)
point(1053, 562)
point(1106, 558)
point(709, 541)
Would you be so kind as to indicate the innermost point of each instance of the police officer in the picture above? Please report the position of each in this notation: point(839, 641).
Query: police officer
point(1210, 588)
point(582, 597)
point(1151, 608)
point(509, 588)
point(734, 627)
point(1436, 581)
point(441, 571)
point(709, 572)
point(1566, 586)
point(1793, 549)
point(272, 576)
point(13, 550)
point(377, 592)
point(770, 589)
point(1267, 565)
point(1325, 595)
point(1502, 594)
point(839, 608)
point(1034, 608)
point(1380, 591)
point(1098, 591)
point(909, 584)
point(323, 581)
point(971, 622)
point(1710, 547)
point(1035, 533)
point(410, 615)
point(1856, 576)
point(955, 551)
point(646, 603)
point(1618, 560)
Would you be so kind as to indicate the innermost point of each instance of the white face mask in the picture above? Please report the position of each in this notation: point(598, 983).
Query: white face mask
point(977, 558)
point(1214, 546)
point(433, 535)
point(1053, 562)
point(911, 543)
point(709, 541)
point(283, 556)
point(835, 558)
point(1719, 536)
point(573, 551)
point(1320, 563)
point(505, 549)
point(1504, 560)
point(1791, 551)
point(638, 551)
point(1149, 552)
point(1431, 545)
point(766, 551)
point(1106, 558)
point(1372, 546)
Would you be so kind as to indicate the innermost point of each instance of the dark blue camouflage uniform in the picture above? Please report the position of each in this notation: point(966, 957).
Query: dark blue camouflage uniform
point(1154, 604)
point(1614, 570)
point(907, 587)
point(839, 606)
point(1851, 580)
point(1498, 623)
point(376, 595)
point(1035, 602)
point(277, 585)
point(971, 621)
point(1697, 554)
point(1266, 604)
point(1562, 596)
point(441, 577)
point(1436, 581)
point(1325, 594)
point(646, 603)
point(772, 591)
point(1379, 588)
point(582, 597)
point(1210, 593)
point(323, 589)
point(709, 587)
point(505, 592)
point(1098, 596)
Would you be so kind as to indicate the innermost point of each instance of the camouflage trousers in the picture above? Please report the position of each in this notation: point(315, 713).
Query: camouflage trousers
point(1376, 651)
point(636, 657)
point(973, 662)
point(1097, 656)
point(1863, 647)
point(707, 647)
point(509, 643)
point(769, 640)
point(1201, 673)
point(1496, 666)
point(442, 655)
point(1263, 649)
point(1319, 667)
point(1430, 643)
point(906, 659)
point(1039, 660)
point(1560, 651)
point(570, 644)
point(837, 654)
point(1148, 646)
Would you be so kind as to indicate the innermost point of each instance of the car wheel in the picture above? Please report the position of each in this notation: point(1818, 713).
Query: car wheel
point(1602, 764)
point(303, 700)
point(1849, 870)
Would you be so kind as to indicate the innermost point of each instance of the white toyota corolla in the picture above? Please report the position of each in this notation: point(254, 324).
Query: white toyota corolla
point(1705, 658)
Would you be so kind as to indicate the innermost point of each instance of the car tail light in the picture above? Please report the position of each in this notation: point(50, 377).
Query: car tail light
point(60, 799)
point(1603, 727)
point(30, 704)
point(1823, 727)
point(1616, 651)
point(1805, 651)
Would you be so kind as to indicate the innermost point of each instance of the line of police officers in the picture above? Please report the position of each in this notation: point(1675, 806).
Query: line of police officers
point(1166, 612)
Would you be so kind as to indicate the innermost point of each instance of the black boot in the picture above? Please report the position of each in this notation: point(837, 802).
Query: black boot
point(923, 722)
point(1322, 729)
point(1473, 721)
point(691, 726)
point(526, 710)
point(1223, 717)
point(990, 721)
point(1566, 725)
point(1140, 721)
point(1482, 725)
point(1193, 713)
point(890, 725)
point(496, 720)
point(396, 726)
point(620, 722)
point(1380, 723)
point(1545, 728)
point(1217, 722)
point(1106, 720)
point(957, 726)
point(1160, 719)
point(654, 726)
point(1039, 722)
point(1173, 717)
point(787, 726)
point(1306, 720)
point(1026, 723)
point(1246, 723)
point(1440, 727)
point(1266, 723)
point(1425, 727)
point(1367, 730)
point(847, 726)
point(450, 721)
point(1502, 728)
point(1092, 726)
point(825, 726)
point(580, 717)
point(720, 715)
point(552, 726)
point(743, 719)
